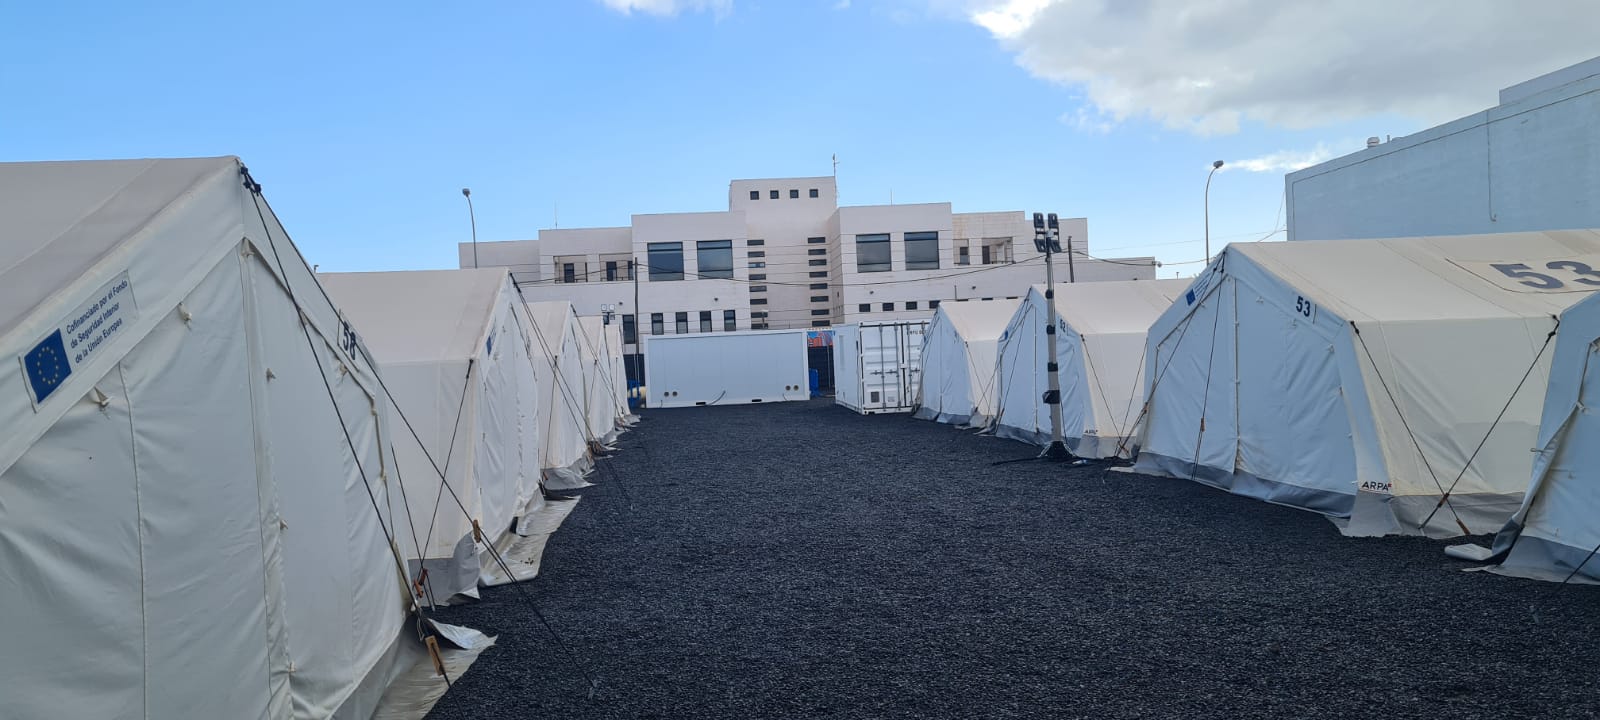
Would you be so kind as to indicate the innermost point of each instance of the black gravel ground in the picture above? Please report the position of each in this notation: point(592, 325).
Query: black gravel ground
point(798, 560)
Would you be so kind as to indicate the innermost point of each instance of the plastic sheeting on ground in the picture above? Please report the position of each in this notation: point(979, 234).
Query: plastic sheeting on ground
point(959, 349)
point(1100, 335)
point(463, 376)
point(196, 520)
point(1364, 379)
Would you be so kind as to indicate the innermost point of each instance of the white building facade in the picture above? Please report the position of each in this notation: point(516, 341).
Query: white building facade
point(1531, 163)
point(784, 255)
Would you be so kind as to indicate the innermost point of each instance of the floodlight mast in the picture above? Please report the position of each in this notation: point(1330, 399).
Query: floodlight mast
point(1046, 240)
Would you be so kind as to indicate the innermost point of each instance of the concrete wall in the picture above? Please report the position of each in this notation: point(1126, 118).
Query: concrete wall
point(1531, 163)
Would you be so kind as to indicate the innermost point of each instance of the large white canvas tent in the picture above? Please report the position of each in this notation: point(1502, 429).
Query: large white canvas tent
point(600, 380)
point(564, 417)
point(452, 351)
point(1365, 379)
point(959, 350)
point(1554, 534)
point(1100, 337)
point(196, 519)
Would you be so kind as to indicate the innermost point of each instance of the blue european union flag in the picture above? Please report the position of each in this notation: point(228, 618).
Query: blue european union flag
point(47, 366)
point(1190, 297)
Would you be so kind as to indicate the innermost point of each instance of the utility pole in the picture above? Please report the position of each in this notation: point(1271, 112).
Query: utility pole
point(1046, 239)
point(638, 326)
point(1215, 166)
point(467, 193)
point(1072, 275)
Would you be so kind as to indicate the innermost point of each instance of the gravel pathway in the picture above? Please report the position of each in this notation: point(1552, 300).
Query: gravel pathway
point(798, 560)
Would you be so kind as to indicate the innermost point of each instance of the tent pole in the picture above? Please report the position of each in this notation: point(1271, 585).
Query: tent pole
point(1057, 449)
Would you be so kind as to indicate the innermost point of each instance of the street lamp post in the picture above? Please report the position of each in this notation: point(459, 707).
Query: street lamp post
point(1047, 240)
point(1215, 166)
point(467, 193)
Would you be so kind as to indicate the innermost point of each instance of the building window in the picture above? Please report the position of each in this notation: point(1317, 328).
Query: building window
point(963, 257)
point(817, 251)
point(569, 272)
point(666, 261)
point(715, 258)
point(758, 326)
point(864, 307)
point(794, 194)
point(817, 263)
point(872, 253)
point(758, 301)
point(819, 323)
point(922, 251)
point(888, 307)
point(986, 254)
point(819, 286)
point(816, 241)
point(758, 253)
point(821, 312)
point(730, 321)
point(755, 243)
point(705, 321)
point(681, 320)
point(933, 304)
point(657, 325)
point(819, 274)
point(761, 314)
point(611, 270)
point(813, 192)
point(758, 276)
point(819, 298)
point(758, 264)
point(630, 333)
point(755, 194)
point(758, 288)
point(774, 195)
point(911, 304)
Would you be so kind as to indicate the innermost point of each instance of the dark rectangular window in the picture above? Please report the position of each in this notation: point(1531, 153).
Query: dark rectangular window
point(758, 264)
point(611, 270)
point(816, 241)
point(933, 304)
point(820, 323)
point(864, 307)
point(817, 263)
point(817, 251)
point(888, 307)
point(821, 312)
point(666, 261)
point(758, 253)
point(819, 286)
point(758, 301)
point(569, 273)
point(774, 195)
point(986, 254)
point(758, 276)
point(819, 298)
point(872, 253)
point(657, 325)
point(715, 258)
point(681, 320)
point(962, 256)
point(758, 314)
point(911, 304)
point(758, 326)
point(758, 288)
point(730, 321)
point(794, 194)
point(819, 274)
point(987, 299)
point(755, 194)
point(922, 251)
point(755, 243)
point(813, 192)
point(630, 331)
point(705, 321)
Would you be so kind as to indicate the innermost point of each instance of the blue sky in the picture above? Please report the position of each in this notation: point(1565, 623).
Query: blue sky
point(364, 120)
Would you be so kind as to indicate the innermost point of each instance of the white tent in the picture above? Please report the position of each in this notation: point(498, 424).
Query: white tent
point(196, 520)
point(1555, 533)
point(1100, 334)
point(600, 382)
point(458, 362)
point(959, 349)
point(564, 417)
point(1365, 379)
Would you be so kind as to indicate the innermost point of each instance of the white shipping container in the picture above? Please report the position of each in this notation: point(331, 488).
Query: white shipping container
point(726, 368)
point(877, 366)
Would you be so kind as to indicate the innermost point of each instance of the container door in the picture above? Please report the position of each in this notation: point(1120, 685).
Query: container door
point(880, 368)
point(910, 335)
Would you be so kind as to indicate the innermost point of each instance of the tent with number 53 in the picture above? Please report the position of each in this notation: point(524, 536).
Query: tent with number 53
point(1393, 385)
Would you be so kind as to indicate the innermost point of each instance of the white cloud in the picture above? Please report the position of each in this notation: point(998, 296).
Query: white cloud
point(664, 8)
point(1208, 65)
point(1283, 161)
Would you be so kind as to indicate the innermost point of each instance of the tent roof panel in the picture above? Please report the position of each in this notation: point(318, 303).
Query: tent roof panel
point(1114, 306)
point(418, 315)
point(979, 319)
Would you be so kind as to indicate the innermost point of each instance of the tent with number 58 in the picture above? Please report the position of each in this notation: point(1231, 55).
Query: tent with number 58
point(1393, 385)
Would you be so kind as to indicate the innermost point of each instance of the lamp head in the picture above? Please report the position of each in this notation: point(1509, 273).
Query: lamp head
point(1216, 165)
point(467, 192)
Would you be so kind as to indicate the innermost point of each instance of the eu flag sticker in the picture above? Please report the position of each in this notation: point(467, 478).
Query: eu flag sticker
point(47, 366)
